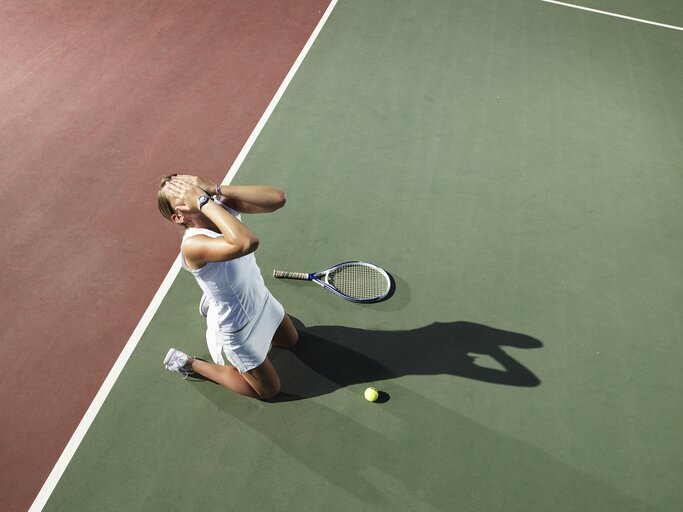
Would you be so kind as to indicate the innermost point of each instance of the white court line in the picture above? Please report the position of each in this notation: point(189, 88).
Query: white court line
point(614, 15)
point(108, 384)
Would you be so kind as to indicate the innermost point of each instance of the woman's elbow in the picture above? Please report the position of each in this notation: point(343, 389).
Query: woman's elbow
point(241, 247)
point(280, 199)
point(251, 245)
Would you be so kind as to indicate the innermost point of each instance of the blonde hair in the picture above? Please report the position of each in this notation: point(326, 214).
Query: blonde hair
point(164, 204)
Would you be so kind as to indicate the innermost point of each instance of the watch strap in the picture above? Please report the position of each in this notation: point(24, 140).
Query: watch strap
point(202, 201)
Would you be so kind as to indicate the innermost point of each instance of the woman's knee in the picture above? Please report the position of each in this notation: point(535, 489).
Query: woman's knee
point(264, 380)
point(290, 340)
point(269, 392)
point(267, 389)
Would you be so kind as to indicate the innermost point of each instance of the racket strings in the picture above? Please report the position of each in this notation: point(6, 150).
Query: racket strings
point(360, 282)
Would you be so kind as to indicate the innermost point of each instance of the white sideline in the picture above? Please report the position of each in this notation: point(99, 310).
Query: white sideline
point(606, 13)
point(89, 416)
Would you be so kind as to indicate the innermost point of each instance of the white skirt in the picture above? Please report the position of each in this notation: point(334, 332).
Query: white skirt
point(247, 348)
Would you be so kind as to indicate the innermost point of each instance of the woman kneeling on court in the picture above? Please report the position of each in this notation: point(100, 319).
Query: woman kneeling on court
point(243, 319)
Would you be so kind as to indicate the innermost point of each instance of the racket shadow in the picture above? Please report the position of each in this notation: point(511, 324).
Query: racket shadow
point(331, 357)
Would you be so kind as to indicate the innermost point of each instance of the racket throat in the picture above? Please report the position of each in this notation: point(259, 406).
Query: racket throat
point(324, 280)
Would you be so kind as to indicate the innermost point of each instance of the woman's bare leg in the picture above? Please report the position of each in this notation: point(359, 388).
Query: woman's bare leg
point(264, 380)
point(286, 335)
point(227, 376)
point(261, 382)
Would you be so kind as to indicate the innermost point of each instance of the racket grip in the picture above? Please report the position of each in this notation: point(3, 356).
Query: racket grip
point(283, 274)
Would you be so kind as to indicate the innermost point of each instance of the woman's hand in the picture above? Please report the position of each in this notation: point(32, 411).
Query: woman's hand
point(185, 193)
point(196, 181)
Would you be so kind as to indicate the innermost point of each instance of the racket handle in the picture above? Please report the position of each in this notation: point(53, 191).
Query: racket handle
point(283, 274)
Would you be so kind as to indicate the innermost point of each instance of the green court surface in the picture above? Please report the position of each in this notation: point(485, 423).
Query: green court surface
point(516, 166)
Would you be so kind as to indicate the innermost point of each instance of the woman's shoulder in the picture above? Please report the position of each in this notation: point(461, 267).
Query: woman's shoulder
point(193, 243)
point(191, 232)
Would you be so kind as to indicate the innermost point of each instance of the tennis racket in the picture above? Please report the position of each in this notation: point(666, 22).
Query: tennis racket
point(357, 281)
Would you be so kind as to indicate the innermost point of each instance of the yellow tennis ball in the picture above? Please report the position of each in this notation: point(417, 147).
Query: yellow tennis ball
point(371, 394)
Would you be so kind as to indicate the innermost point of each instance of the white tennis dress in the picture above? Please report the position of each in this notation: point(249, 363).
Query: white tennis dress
point(243, 316)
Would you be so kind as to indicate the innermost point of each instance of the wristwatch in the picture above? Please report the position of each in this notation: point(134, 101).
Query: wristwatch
point(202, 200)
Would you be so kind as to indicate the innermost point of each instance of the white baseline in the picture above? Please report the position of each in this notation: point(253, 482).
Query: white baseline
point(606, 13)
point(78, 435)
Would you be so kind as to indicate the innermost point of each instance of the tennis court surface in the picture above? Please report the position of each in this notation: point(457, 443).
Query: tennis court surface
point(516, 167)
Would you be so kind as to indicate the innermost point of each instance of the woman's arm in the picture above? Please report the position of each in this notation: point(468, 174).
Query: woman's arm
point(244, 199)
point(253, 198)
point(199, 250)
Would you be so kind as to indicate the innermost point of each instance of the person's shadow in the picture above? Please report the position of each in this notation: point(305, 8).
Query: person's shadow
point(331, 357)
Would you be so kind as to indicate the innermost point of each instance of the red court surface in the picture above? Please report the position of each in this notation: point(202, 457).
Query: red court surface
point(99, 100)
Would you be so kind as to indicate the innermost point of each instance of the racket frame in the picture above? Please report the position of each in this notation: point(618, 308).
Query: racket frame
point(321, 278)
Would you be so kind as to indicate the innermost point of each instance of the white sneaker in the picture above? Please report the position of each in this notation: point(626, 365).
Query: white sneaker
point(177, 361)
point(204, 305)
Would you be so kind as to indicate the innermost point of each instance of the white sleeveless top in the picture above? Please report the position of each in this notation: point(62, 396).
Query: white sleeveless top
point(235, 286)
